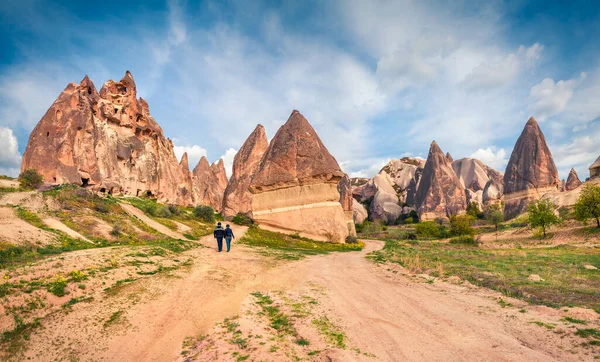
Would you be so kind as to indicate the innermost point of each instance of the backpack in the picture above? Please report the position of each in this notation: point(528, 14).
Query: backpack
point(228, 233)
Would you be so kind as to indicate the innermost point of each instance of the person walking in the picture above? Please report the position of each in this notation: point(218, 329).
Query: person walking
point(219, 233)
point(228, 236)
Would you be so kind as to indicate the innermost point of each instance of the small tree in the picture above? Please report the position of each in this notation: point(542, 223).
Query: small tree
point(205, 213)
point(30, 179)
point(474, 211)
point(461, 225)
point(588, 204)
point(494, 215)
point(541, 214)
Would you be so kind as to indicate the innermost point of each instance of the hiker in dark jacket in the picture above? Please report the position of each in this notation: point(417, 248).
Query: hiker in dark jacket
point(228, 236)
point(219, 233)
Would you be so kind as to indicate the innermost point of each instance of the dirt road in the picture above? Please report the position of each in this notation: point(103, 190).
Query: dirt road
point(393, 316)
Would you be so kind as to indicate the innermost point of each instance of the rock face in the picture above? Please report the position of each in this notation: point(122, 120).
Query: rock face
point(210, 182)
point(595, 168)
point(474, 174)
point(107, 141)
point(401, 173)
point(359, 213)
point(440, 193)
point(530, 172)
point(573, 181)
point(245, 165)
point(384, 205)
point(295, 188)
point(492, 192)
point(449, 157)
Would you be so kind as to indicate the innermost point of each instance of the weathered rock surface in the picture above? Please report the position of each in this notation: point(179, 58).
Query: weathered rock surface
point(359, 213)
point(492, 192)
point(358, 183)
point(474, 174)
point(245, 165)
point(449, 157)
point(530, 172)
point(440, 192)
point(295, 188)
point(107, 141)
point(573, 181)
point(384, 205)
point(595, 168)
point(401, 172)
point(210, 182)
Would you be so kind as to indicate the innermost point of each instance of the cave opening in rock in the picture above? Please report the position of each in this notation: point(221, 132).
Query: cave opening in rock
point(85, 182)
point(103, 190)
point(47, 134)
point(89, 90)
point(116, 110)
point(149, 193)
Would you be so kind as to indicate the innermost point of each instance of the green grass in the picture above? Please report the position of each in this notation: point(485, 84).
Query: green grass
point(293, 246)
point(566, 283)
point(278, 320)
point(588, 332)
point(332, 334)
point(574, 320)
point(115, 318)
point(546, 325)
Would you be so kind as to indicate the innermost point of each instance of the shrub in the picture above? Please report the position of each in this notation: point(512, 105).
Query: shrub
point(588, 204)
point(541, 214)
point(461, 225)
point(494, 215)
point(30, 179)
point(351, 239)
point(205, 213)
point(242, 219)
point(101, 207)
point(164, 211)
point(150, 208)
point(427, 229)
point(77, 275)
point(464, 239)
point(474, 211)
point(116, 230)
point(369, 227)
point(174, 210)
point(58, 285)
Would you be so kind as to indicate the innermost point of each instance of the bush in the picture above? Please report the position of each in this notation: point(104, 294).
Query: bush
point(493, 213)
point(164, 211)
point(58, 285)
point(474, 211)
point(150, 208)
point(588, 204)
point(205, 213)
point(464, 239)
point(427, 229)
point(30, 179)
point(174, 210)
point(116, 230)
point(351, 239)
point(369, 227)
point(242, 219)
point(461, 225)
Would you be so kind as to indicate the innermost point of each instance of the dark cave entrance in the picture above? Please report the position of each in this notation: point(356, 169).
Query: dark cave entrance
point(85, 182)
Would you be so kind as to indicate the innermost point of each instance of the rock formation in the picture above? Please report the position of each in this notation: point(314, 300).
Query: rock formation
point(359, 213)
point(107, 141)
point(530, 172)
point(245, 165)
point(401, 173)
point(385, 204)
point(595, 168)
point(573, 181)
point(449, 157)
point(358, 184)
point(295, 188)
point(210, 182)
point(492, 192)
point(474, 174)
point(440, 193)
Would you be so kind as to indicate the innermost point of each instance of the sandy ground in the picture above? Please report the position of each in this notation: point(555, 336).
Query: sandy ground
point(384, 311)
point(9, 183)
point(58, 225)
point(19, 232)
point(134, 211)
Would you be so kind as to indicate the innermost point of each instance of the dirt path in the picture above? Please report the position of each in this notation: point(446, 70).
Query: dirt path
point(19, 232)
point(384, 312)
point(58, 225)
point(135, 212)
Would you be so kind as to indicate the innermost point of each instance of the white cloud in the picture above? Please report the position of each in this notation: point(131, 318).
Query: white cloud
point(493, 157)
point(550, 98)
point(228, 160)
point(503, 71)
point(194, 152)
point(10, 158)
point(579, 152)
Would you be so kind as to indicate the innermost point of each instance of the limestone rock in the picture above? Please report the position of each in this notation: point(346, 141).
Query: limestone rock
point(359, 213)
point(475, 196)
point(573, 181)
point(345, 190)
point(107, 141)
point(449, 157)
point(440, 192)
point(358, 184)
point(401, 172)
point(295, 188)
point(474, 174)
point(492, 192)
point(245, 165)
point(385, 206)
point(210, 182)
point(530, 172)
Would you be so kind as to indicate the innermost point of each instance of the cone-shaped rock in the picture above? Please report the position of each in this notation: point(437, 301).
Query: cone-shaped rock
point(474, 174)
point(573, 181)
point(210, 182)
point(295, 188)
point(530, 172)
point(440, 192)
point(107, 141)
point(245, 165)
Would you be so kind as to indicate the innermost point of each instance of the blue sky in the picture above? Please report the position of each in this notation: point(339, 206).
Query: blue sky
point(377, 79)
